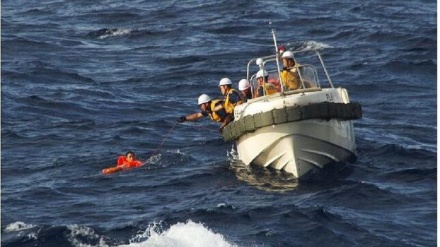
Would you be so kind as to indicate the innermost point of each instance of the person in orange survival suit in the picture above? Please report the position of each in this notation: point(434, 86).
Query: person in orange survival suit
point(128, 160)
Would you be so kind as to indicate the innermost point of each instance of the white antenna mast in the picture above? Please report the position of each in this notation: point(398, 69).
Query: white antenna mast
point(276, 56)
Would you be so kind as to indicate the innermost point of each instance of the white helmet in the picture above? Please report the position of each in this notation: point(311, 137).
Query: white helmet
point(204, 98)
point(287, 54)
point(243, 84)
point(262, 73)
point(225, 81)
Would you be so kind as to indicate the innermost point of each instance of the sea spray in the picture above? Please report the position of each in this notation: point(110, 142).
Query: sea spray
point(189, 234)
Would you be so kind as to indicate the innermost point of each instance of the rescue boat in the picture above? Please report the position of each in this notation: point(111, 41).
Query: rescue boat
point(299, 131)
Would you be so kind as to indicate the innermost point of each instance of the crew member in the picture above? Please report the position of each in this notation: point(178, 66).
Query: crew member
point(264, 88)
point(231, 96)
point(289, 75)
point(245, 89)
point(212, 108)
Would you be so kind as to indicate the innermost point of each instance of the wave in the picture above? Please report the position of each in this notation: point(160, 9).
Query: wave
point(307, 45)
point(406, 65)
point(18, 226)
point(392, 146)
point(188, 234)
point(355, 194)
point(44, 72)
point(20, 44)
point(21, 234)
point(413, 175)
point(105, 33)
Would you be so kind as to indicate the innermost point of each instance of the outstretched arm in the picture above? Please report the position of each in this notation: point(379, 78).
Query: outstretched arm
point(191, 117)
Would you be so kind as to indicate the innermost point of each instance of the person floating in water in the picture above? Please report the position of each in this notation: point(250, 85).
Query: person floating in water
point(128, 160)
point(124, 161)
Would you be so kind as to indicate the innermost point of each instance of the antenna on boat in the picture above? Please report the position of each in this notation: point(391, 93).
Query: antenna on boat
point(276, 55)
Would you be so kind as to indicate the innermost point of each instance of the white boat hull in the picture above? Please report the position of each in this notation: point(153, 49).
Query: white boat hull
point(299, 147)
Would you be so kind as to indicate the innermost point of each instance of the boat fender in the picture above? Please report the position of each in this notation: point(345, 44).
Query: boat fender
point(279, 116)
point(324, 110)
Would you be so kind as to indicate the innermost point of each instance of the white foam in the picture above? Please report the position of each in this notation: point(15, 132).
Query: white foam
point(313, 45)
point(177, 151)
point(187, 234)
point(116, 33)
point(308, 45)
point(21, 226)
point(79, 232)
point(154, 159)
point(18, 226)
point(232, 155)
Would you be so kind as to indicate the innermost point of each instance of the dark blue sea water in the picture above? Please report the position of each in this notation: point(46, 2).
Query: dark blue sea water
point(86, 81)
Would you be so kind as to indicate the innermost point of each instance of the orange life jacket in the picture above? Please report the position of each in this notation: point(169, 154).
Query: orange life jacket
point(122, 161)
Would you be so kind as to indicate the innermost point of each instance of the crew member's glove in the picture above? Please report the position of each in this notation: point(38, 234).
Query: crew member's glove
point(181, 119)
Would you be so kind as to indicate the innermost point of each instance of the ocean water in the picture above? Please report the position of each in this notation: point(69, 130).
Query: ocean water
point(86, 81)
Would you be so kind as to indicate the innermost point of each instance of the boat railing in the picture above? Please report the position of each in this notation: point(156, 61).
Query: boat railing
point(303, 51)
point(307, 73)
